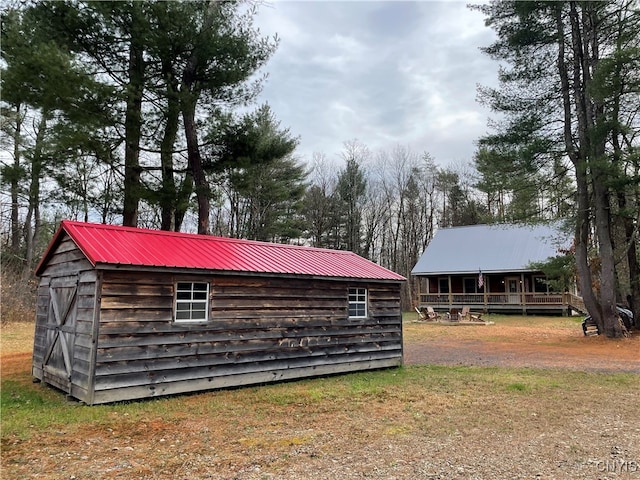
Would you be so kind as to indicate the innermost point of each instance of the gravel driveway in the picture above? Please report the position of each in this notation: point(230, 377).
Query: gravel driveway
point(482, 353)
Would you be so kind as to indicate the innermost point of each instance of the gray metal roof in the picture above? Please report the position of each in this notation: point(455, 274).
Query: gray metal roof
point(489, 248)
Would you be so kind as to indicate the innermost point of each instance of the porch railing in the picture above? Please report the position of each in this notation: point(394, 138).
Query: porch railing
point(542, 299)
point(575, 302)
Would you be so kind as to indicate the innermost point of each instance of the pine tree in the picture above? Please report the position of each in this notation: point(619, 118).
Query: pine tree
point(554, 110)
point(351, 189)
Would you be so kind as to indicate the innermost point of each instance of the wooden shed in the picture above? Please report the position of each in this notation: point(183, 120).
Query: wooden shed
point(126, 313)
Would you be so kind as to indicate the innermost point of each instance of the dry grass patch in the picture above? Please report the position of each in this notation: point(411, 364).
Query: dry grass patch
point(547, 342)
point(407, 423)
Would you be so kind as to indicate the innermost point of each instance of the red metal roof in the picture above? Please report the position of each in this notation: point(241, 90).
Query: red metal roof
point(116, 245)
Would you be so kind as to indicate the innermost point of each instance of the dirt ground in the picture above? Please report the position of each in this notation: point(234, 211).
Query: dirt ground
point(536, 345)
point(459, 430)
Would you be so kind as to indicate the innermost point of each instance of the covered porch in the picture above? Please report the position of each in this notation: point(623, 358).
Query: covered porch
point(514, 292)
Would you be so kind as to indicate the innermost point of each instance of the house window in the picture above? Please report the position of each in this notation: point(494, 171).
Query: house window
point(470, 284)
point(540, 284)
point(192, 302)
point(443, 283)
point(357, 302)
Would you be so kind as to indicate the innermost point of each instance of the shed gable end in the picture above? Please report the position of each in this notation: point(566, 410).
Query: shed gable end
point(64, 339)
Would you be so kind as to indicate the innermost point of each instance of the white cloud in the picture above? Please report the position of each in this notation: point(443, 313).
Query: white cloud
point(386, 73)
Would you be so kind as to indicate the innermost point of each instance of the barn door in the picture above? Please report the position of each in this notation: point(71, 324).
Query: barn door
point(60, 333)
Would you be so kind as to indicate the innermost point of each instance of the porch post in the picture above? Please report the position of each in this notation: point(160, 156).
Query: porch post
point(485, 292)
point(427, 285)
point(523, 296)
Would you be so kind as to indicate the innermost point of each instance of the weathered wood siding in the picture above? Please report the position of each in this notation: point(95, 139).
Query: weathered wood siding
point(64, 340)
point(260, 329)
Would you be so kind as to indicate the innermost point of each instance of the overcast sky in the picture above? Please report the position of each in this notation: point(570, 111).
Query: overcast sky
point(385, 73)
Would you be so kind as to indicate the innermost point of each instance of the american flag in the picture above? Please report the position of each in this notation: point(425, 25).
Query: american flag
point(480, 280)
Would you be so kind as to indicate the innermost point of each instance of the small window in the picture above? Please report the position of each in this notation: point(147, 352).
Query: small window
point(540, 284)
point(470, 284)
point(192, 302)
point(357, 302)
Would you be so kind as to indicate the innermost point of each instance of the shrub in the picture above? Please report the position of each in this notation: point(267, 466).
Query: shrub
point(18, 297)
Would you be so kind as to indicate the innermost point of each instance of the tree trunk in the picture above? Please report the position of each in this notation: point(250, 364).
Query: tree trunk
point(195, 166)
point(168, 193)
point(182, 204)
point(583, 215)
point(588, 160)
point(600, 168)
point(33, 221)
point(633, 253)
point(582, 248)
point(611, 325)
point(190, 93)
point(15, 184)
point(132, 130)
point(624, 208)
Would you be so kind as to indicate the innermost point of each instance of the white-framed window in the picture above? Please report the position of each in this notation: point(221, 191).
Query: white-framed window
point(192, 302)
point(357, 303)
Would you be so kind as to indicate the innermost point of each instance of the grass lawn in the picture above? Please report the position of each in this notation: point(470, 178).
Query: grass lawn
point(412, 422)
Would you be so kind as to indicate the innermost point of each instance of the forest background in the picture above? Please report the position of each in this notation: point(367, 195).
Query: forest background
point(144, 114)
